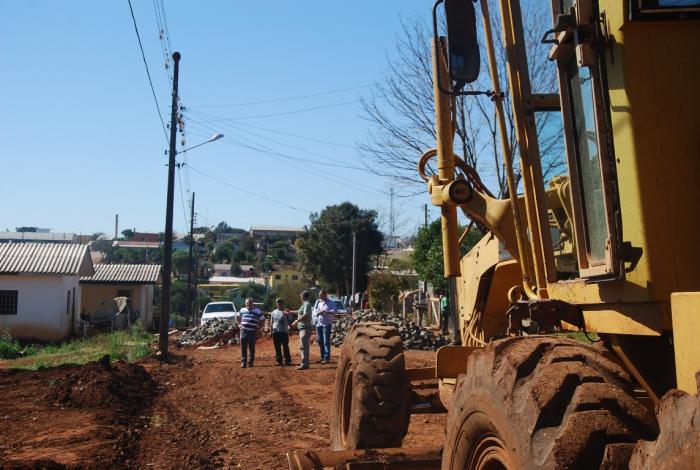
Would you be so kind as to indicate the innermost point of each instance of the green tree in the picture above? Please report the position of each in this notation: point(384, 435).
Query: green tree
point(385, 287)
point(128, 234)
point(223, 227)
point(25, 229)
point(180, 262)
point(428, 254)
point(223, 253)
point(325, 247)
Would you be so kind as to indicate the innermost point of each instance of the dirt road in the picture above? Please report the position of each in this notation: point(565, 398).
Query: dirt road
point(198, 411)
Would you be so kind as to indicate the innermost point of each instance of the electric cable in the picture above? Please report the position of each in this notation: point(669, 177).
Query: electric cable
point(229, 127)
point(267, 129)
point(148, 73)
point(260, 196)
point(285, 113)
point(288, 98)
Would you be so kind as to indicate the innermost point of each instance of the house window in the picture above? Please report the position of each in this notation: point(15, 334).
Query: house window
point(124, 293)
point(295, 277)
point(278, 276)
point(8, 302)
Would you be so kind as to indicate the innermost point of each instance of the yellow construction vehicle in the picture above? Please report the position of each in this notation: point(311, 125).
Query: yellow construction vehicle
point(609, 248)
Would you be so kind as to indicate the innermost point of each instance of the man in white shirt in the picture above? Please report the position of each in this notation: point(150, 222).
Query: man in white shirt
point(325, 311)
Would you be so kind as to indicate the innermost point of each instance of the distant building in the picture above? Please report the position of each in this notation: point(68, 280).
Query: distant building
point(135, 244)
point(145, 237)
point(288, 278)
point(222, 269)
point(40, 294)
point(261, 231)
point(134, 281)
point(235, 281)
point(224, 236)
point(50, 237)
point(248, 270)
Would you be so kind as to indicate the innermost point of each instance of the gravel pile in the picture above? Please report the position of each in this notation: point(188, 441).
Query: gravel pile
point(214, 332)
point(412, 335)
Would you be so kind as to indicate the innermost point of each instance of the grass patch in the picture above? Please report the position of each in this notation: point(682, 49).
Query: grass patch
point(581, 337)
point(127, 345)
point(9, 348)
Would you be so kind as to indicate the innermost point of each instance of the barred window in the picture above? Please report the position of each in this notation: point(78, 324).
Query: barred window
point(8, 302)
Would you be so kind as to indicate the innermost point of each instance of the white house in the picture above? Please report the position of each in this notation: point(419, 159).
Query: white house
point(39, 288)
point(135, 281)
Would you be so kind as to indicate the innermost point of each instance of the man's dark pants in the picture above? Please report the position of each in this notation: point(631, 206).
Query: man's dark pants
point(445, 321)
point(248, 344)
point(281, 341)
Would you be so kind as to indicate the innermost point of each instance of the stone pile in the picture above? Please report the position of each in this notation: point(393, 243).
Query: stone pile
point(215, 332)
point(412, 335)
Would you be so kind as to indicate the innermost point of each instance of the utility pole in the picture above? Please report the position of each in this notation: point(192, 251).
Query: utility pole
point(196, 292)
point(354, 264)
point(189, 265)
point(168, 242)
point(392, 219)
point(425, 215)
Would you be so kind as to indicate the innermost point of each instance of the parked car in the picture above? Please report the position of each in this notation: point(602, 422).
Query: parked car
point(339, 306)
point(222, 310)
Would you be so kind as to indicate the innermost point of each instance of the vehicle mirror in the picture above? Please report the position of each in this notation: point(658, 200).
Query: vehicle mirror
point(463, 59)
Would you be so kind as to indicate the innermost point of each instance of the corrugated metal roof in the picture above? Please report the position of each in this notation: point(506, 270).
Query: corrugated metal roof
point(45, 258)
point(38, 236)
point(275, 228)
point(124, 274)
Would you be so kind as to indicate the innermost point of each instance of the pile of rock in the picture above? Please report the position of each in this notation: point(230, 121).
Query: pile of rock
point(216, 332)
point(412, 335)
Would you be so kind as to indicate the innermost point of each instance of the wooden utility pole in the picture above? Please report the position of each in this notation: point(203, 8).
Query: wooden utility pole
point(354, 265)
point(190, 267)
point(168, 242)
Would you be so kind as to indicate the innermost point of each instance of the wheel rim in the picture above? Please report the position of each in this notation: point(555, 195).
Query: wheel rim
point(490, 454)
point(346, 402)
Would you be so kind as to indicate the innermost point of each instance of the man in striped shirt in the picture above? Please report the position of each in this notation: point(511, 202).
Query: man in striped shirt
point(250, 320)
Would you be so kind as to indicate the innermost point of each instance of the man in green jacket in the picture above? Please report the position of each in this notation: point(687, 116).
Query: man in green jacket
point(303, 322)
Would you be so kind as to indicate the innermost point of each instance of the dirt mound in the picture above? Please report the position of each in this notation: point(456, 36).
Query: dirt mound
point(124, 386)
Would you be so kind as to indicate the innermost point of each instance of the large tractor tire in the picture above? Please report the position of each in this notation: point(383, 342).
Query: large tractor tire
point(372, 397)
point(543, 402)
point(678, 444)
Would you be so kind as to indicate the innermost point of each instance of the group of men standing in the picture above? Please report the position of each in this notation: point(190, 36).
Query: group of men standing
point(320, 317)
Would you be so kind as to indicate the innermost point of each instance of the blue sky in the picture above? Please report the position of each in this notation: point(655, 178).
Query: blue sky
point(80, 139)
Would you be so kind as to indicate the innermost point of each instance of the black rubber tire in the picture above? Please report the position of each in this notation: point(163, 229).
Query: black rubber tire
point(678, 444)
point(372, 396)
point(543, 402)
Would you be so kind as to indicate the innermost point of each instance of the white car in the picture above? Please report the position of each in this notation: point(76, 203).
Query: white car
point(221, 310)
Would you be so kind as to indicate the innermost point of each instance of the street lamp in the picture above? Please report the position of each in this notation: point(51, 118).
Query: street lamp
point(168, 241)
point(213, 138)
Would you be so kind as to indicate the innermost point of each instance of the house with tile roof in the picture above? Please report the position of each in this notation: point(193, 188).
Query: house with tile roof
point(133, 281)
point(40, 294)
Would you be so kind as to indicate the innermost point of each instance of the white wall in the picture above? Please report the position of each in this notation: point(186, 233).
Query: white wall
point(41, 306)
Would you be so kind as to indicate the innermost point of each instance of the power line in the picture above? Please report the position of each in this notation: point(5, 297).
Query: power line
point(182, 198)
point(288, 98)
point(288, 134)
point(230, 128)
point(245, 191)
point(290, 160)
point(164, 38)
point(285, 113)
point(148, 73)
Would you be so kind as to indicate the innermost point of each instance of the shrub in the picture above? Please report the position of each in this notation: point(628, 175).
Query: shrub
point(9, 347)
